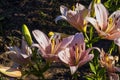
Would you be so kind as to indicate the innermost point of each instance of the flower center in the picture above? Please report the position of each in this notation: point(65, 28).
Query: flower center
point(55, 43)
point(110, 23)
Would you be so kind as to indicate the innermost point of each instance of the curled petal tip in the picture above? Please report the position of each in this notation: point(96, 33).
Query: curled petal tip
point(59, 18)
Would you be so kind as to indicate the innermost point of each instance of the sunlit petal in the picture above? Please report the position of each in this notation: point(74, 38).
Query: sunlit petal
point(11, 72)
point(41, 38)
point(101, 15)
point(64, 56)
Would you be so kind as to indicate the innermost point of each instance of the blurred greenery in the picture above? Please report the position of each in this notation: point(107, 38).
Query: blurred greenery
point(112, 5)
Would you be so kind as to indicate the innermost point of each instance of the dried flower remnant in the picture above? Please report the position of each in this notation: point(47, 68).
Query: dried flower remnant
point(108, 61)
point(20, 56)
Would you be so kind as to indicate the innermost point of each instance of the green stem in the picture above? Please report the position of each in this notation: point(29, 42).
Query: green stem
point(86, 36)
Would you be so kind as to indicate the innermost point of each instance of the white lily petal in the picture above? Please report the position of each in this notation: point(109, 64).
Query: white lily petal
point(93, 22)
point(73, 69)
point(63, 10)
point(64, 56)
point(41, 38)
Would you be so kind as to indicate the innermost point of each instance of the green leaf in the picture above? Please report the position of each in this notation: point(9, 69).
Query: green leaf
point(92, 67)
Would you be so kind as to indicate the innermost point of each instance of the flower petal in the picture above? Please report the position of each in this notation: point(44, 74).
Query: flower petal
point(117, 69)
point(79, 7)
point(66, 41)
point(113, 76)
point(63, 10)
point(73, 69)
point(86, 59)
point(116, 18)
point(25, 48)
point(18, 58)
point(41, 50)
point(59, 18)
point(64, 56)
point(113, 36)
point(93, 22)
point(41, 38)
point(78, 39)
point(11, 72)
point(117, 41)
point(101, 15)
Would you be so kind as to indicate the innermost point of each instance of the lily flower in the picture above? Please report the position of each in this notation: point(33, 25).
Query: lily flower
point(108, 62)
point(75, 55)
point(48, 48)
point(20, 56)
point(74, 17)
point(107, 27)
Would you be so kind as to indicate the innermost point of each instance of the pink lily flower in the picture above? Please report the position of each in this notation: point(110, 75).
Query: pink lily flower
point(74, 17)
point(48, 48)
point(75, 55)
point(108, 61)
point(20, 56)
point(107, 27)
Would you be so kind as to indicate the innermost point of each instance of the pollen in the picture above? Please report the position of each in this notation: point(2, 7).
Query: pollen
point(50, 33)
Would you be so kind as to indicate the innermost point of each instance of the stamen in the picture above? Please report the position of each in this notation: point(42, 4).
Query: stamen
point(77, 53)
point(110, 20)
point(73, 8)
point(52, 45)
point(106, 58)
